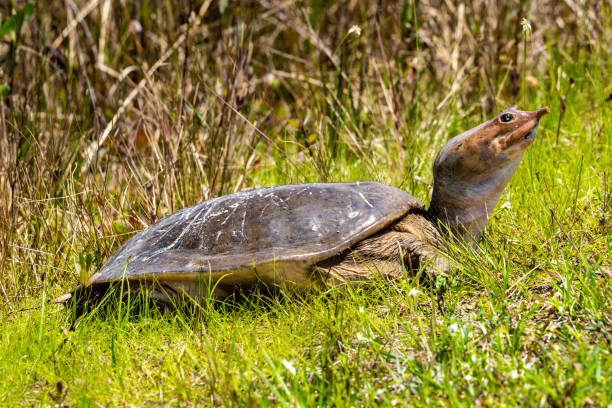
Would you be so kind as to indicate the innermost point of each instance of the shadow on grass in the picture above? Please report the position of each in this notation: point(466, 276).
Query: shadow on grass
point(112, 302)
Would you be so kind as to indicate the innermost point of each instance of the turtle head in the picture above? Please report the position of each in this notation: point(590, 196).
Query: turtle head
point(472, 169)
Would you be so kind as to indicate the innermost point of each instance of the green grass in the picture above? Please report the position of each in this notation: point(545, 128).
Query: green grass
point(529, 315)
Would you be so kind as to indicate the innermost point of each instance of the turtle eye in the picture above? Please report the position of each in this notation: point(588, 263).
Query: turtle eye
point(506, 117)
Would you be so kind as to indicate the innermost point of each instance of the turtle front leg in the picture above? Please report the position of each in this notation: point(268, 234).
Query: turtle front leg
point(388, 254)
point(408, 246)
point(436, 263)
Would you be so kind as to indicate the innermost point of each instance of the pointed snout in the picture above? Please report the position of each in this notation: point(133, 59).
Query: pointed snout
point(542, 112)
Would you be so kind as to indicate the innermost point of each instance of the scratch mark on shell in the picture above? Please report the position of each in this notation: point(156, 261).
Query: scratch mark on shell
point(243, 220)
point(234, 207)
point(194, 220)
point(364, 199)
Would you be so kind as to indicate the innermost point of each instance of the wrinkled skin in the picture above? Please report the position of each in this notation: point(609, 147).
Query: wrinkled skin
point(472, 170)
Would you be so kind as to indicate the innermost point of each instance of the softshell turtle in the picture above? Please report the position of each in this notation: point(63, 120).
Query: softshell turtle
point(308, 234)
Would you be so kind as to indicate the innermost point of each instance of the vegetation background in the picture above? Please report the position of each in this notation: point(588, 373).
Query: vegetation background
point(117, 113)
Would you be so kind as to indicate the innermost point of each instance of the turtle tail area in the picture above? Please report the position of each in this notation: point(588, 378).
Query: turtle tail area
point(83, 299)
point(104, 296)
point(137, 295)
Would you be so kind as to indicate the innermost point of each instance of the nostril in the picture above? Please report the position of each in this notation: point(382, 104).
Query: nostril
point(542, 112)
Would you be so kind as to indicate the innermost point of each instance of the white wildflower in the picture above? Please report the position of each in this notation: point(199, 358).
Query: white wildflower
point(453, 328)
point(362, 337)
point(271, 79)
point(526, 26)
point(413, 292)
point(289, 366)
point(355, 30)
point(506, 205)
